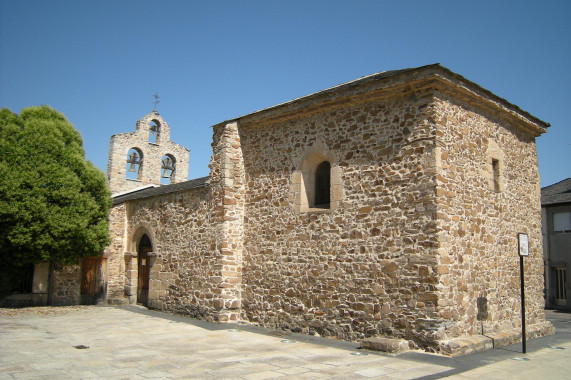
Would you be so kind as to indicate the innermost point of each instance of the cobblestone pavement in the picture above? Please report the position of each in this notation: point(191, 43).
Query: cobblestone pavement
point(136, 343)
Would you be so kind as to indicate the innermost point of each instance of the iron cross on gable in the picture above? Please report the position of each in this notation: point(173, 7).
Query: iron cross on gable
point(156, 101)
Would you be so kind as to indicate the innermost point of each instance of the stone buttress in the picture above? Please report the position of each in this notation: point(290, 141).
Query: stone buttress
point(228, 187)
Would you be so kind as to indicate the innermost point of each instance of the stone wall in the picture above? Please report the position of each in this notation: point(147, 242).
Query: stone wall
point(365, 267)
point(65, 285)
point(478, 222)
point(115, 256)
point(186, 266)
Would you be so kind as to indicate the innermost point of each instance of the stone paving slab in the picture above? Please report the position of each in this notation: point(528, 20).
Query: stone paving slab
point(128, 345)
point(554, 364)
point(135, 343)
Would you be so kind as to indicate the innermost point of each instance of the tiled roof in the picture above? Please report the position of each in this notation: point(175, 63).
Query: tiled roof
point(151, 192)
point(559, 192)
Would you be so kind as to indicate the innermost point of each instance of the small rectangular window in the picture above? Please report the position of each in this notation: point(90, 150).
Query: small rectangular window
point(562, 222)
point(496, 174)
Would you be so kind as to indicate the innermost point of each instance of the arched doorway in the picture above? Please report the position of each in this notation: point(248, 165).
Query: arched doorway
point(143, 266)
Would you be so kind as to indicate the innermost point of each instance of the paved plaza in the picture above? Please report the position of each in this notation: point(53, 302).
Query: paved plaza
point(136, 343)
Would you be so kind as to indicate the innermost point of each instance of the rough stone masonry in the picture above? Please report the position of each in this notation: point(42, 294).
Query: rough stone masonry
point(431, 178)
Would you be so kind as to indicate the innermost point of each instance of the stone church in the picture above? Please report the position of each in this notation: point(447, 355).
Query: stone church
point(388, 206)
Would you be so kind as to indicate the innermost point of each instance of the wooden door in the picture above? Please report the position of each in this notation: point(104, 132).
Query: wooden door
point(143, 278)
point(93, 280)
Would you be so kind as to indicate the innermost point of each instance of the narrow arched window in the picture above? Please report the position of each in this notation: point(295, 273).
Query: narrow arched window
point(496, 175)
point(323, 185)
point(317, 183)
point(495, 167)
point(167, 169)
point(154, 130)
point(134, 164)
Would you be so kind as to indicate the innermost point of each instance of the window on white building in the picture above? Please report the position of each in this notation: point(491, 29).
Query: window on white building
point(562, 222)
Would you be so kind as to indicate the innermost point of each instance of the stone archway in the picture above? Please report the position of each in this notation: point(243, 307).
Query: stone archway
point(139, 260)
point(144, 247)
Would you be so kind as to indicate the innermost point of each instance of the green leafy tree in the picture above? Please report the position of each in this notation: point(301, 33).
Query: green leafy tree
point(53, 203)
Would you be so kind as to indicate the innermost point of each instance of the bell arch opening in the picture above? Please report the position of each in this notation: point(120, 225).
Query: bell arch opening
point(168, 166)
point(134, 164)
point(154, 131)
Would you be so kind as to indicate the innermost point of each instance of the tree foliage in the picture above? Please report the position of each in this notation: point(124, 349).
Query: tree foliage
point(53, 203)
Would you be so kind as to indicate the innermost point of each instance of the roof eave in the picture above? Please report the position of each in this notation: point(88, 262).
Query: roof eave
point(448, 79)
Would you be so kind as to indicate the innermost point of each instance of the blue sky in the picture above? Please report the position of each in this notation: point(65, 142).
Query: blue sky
point(100, 62)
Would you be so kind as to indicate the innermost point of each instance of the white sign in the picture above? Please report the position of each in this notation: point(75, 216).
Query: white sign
point(523, 244)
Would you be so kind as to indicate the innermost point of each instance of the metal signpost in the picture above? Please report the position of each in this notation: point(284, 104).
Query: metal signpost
point(523, 249)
